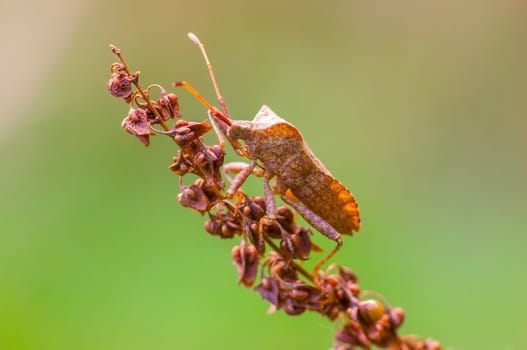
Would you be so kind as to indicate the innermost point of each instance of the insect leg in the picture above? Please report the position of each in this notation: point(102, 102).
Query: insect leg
point(237, 167)
point(238, 181)
point(270, 218)
point(321, 225)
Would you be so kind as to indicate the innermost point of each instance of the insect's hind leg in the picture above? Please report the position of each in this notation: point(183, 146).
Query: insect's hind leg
point(321, 225)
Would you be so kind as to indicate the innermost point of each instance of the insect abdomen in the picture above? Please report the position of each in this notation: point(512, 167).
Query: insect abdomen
point(329, 199)
point(319, 191)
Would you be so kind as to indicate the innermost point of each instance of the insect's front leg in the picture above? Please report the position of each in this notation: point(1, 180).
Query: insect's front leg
point(321, 225)
point(238, 181)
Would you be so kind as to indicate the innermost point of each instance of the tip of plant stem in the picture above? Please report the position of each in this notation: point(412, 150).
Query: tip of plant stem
point(115, 49)
point(194, 38)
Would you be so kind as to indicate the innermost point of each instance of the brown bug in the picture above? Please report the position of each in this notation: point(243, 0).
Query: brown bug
point(278, 148)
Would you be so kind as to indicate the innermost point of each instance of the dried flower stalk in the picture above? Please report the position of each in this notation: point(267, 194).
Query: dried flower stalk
point(333, 293)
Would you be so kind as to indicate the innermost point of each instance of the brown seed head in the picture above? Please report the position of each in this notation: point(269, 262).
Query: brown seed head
point(194, 198)
point(168, 105)
point(396, 316)
point(371, 310)
point(246, 258)
point(120, 85)
point(136, 123)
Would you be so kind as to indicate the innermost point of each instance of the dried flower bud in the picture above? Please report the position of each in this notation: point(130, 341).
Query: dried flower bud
point(168, 105)
point(292, 308)
point(136, 123)
point(246, 211)
point(353, 334)
point(301, 243)
point(311, 297)
point(211, 191)
point(117, 67)
point(219, 153)
point(260, 201)
point(284, 270)
point(268, 289)
point(354, 289)
point(200, 160)
point(347, 274)
point(257, 239)
point(180, 165)
point(255, 208)
point(396, 317)
point(371, 310)
point(187, 132)
point(227, 231)
point(245, 258)
point(181, 122)
point(200, 128)
point(299, 294)
point(194, 198)
point(224, 225)
point(212, 227)
point(120, 85)
point(333, 313)
point(285, 217)
point(341, 296)
point(271, 230)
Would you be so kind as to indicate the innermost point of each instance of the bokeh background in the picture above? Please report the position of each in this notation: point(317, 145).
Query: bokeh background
point(417, 106)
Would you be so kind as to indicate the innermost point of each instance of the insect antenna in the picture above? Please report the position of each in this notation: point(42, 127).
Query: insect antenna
point(204, 102)
point(223, 121)
point(196, 41)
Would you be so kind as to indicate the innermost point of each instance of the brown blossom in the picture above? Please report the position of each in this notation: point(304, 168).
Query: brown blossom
point(120, 85)
point(168, 105)
point(245, 258)
point(193, 197)
point(136, 123)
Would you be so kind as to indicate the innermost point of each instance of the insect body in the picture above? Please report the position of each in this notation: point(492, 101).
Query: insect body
point(301, 180)
point(288, 158)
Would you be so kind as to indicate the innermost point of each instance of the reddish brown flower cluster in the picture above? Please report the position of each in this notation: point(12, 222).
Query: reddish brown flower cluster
point(273, 247)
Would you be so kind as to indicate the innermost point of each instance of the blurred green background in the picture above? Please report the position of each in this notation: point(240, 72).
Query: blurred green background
point(417, 106)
